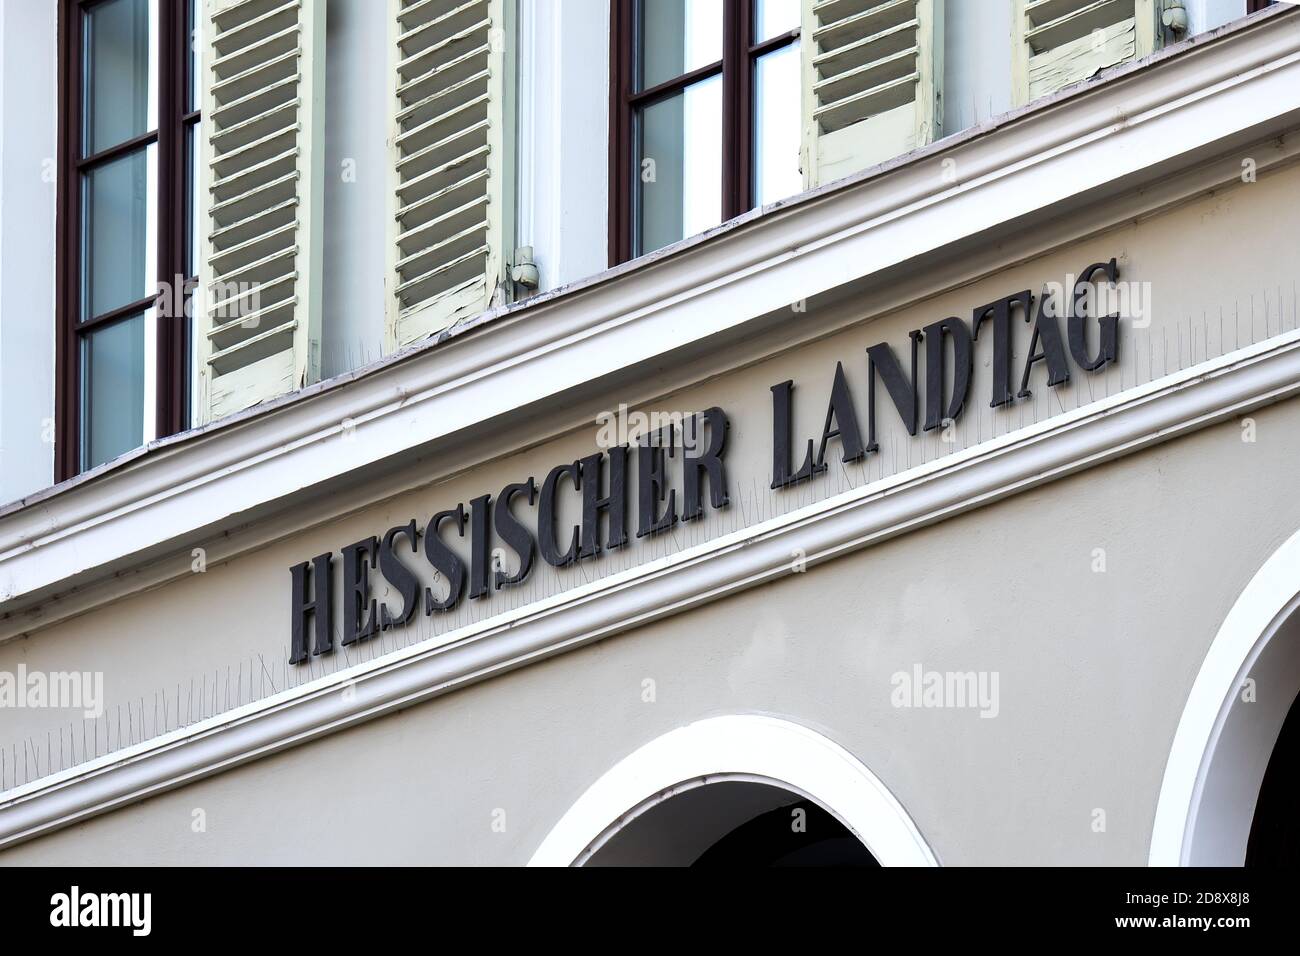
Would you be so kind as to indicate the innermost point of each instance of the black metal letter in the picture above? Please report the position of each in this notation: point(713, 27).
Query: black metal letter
point(1002, 341)
point(320, 607)
point(512, 531)
point(902, 391)
point(444, 560)
point(358, 559)
point(1108, 348)
point(840, 410)
point(480, 554)
point(781, 416)
point(613, 504)
point(963, 362)
point(697, 463)
point(651, 484)
point(546, 517)
point(399, 575)
point(1048, 333)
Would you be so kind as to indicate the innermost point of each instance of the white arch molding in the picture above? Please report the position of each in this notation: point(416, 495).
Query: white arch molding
point(750, 747)
point(1222, 745)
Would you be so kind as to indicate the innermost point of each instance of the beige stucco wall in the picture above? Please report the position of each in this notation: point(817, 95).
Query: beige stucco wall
point(1094, 668)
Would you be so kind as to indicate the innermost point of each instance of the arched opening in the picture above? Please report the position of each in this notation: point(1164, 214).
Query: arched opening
point(741, 790)
point(1230, 780)
point(732, 823)
point(1275, 832)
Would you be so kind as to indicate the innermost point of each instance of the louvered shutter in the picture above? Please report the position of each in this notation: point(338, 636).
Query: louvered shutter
point(1059, 42)
point(449, 222)
point(257, 325)
point(873, 76)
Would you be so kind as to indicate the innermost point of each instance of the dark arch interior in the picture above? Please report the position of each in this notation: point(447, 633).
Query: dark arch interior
point(800, 834)
point(1275, 830)
point(734, 824)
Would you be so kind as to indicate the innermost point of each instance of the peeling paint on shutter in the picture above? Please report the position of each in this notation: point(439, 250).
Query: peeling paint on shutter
point(257, 321)
point(873, 77)
point(450, 136)
point(1059, 42)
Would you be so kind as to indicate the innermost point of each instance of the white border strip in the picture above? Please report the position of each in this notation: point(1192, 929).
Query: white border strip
point(1104, 430)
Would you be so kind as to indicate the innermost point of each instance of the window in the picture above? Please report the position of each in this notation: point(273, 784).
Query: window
point(128, 130)
point(704, 115)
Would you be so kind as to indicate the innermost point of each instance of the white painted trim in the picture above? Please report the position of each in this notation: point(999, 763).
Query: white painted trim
point(526, 139)
point(756, 746)
point(1258, 612)
point(1132, 132)
point(1050, 449)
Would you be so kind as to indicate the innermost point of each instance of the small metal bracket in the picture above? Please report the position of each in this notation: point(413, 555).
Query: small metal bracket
point(524, 271)
point(1174, 18)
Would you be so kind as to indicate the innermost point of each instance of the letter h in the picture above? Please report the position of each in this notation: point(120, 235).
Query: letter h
point(320, 574)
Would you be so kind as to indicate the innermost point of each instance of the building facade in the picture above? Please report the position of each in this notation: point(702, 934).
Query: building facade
point(684, 432)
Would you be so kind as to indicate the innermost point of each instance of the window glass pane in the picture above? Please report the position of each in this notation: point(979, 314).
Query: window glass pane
point(678, 36)
point(119, 48)
point(776, 126)
point(680, 169)
point(773, 17)
point(194, 25)
point(112, 390)
point(119, 247)
point(192, 199)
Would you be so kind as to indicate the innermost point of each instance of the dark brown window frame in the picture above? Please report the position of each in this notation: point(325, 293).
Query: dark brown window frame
point(739, 55)
point(174, 125)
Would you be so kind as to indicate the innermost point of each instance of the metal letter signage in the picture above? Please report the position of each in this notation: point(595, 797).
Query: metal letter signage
point(596, 488)
point(598, 483)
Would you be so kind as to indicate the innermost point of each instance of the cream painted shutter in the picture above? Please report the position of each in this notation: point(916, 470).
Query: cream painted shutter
point(257, 324)
point(873, 81)
point(451, 142)
point(1059, 42)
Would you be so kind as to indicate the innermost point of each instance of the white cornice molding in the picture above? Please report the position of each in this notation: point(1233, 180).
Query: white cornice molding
point(1133, 130)
point(1060, 446)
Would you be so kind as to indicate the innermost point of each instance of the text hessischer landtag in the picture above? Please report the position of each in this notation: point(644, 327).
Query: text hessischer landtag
point(601, 480)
